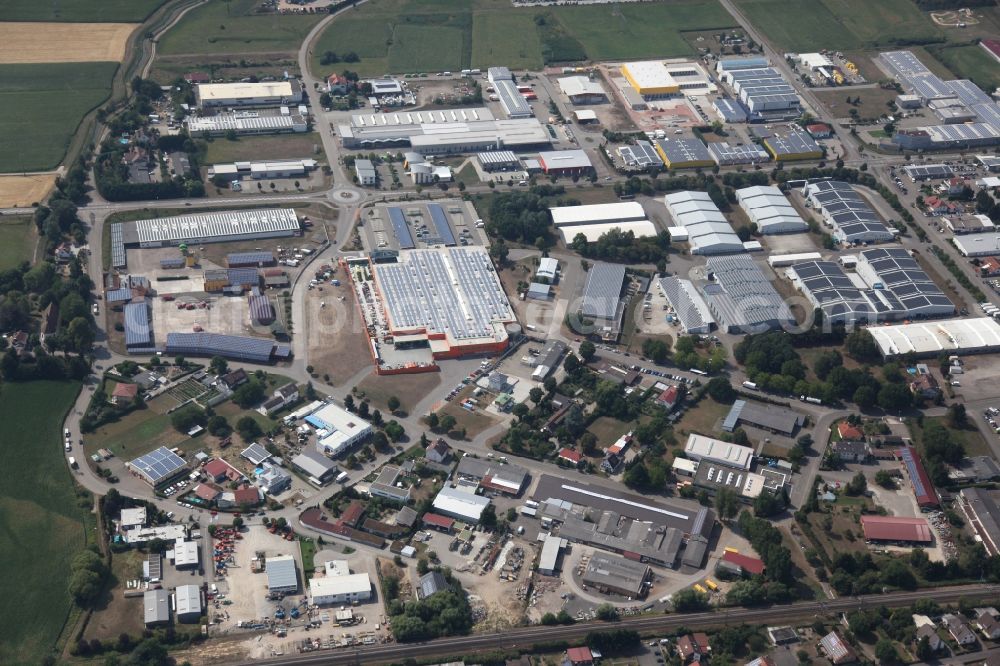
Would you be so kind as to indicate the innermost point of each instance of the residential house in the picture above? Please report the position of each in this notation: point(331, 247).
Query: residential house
point(953, 187)
point(222, 472)
point(50, 321)
point(693, 648)
point(959, 629)
point(273, 480)
point(989, 267)
point(611, 463)
point(123, 394)
point(365, 172)
point(64, 253)
point(207, 493)
point(235, 378)
point(19, 342)
point(988, 625)
point(438, 452)
point(668, 399)
point(852, 451)
point(925, 386)
point(337, 84)
point(248, 496)
point(836, 649)
point(930, 632)
point(570, 456)
point(850, 432)
point(580, 656)
point(284, 396)
point(937, 206)
point(819, 130)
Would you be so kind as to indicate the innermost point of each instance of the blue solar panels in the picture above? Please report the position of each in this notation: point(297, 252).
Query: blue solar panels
point(137, 330)
point(441, 226)
point(159, 465)
point(173, 262)
point(214, 344)
point(401, 230)
point(238, 259)
point(246, 277)
point(118, 295)
point(922, 488)
point(118, 245)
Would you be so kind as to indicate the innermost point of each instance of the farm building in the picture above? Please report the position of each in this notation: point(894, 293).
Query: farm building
point(793, 145)
point(282, 574)
point(707, 228)
point(469, 317)
point(582, 90)
point(339, 586)
point(565, 162)
point(641, 155)
point(245, 123)
point(261, 308)
point(226, 226)
point(617, 575)
point(896, 529)
point(187, 601)
point(258, 350)
point(851, 216)
point(597, 219)
point(742, 298)
point(768, 208)
point(263, 170)
point(264, 93)
point(471, 130)
point(460, 503)
point(687, 305)
point(681, 153)
point(337, 429)
point(158, 466)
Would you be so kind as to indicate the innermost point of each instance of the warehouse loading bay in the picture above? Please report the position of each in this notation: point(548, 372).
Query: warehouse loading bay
point(378, 233)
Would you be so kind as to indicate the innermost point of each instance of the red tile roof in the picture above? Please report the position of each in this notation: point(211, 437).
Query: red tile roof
point(749, 564)
point(438, 520)
point(248, 495)
point(219, 467)
point(206, 492)
point(580, 655)
point(990, 264)
point(892, 528)
point(352, 514)
point(668, 397)
point(848, 431)
point(125, 391)
point(570, 455)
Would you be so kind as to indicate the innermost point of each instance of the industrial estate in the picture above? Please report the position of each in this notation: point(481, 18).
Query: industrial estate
point(502, 332)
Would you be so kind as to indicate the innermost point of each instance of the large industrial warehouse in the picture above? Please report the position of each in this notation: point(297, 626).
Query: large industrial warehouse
point(847, 212)
point(440, 132)
point(650, 79)
point(742, 299)
point(933, 338)
point(220, 227)
point(768, 208)
point(450, 298)
point(337, 429)
point(688, 306)
point(892, 269)
point(602, 298)
point(264, 93)
point(257, 350)
point(978, 245)
point(594, 220)
point(680, 153)
point(706, 226)
point(245, 123)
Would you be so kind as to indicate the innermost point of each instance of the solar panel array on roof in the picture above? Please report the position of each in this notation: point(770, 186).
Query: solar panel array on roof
point(454, 291)
point(261, 309)
point(642, 154)
point(398, 221)
point(118, 245)
point(968, 92)
point(894, 270)
point(850, 215)
point(918, 172)
point(158, 465)
point(215, 344)
point(826, 285)
point(726, 154)
point(118, 295)
point(441, 226)
point(742, 298)
point(922, 488)
point(602, 293)
point(245, 277)
point(137, 330)
point(237, 259)
point(215, 227)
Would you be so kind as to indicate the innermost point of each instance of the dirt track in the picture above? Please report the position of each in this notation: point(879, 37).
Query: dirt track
point(63, 42)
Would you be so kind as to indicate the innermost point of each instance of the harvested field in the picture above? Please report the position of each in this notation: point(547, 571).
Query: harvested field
point(63, 42)
point(22, 191)
point(335, 335)
point(410, 389)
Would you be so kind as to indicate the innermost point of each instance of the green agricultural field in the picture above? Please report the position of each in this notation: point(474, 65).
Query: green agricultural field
point(809, 25)
point(455, 35)
point(971, 62)
point(80, 11)
point(43, 105)
point(40, 517)
point(276, 147)
point(17, 240)
point(232, 28)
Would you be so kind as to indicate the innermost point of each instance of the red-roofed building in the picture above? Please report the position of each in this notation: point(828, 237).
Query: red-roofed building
point(938, 206)
point(989, 267)
point(124, 394)
point(693, 647)
point(438, 522)
point(751, 565)
point(570, 456)
point(197, 77)
point(850, 432)
point(220, 471)
point(819, 130)
point(580, 656)
point(352, 514)
point(248, 495)
point(923, 489)
point(618, 448)
point(893, 528)
point(337, 84)
point(668, 399)
point(992, 47)
point(207, 492)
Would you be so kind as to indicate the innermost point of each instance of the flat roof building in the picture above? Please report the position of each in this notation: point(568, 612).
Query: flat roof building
point(650, 78)
point(263, 93)
point(582, 90)
point(602, 301)
point(617, 575)
point(337, 429)
point(565, 162)
point(794, 144)
point(597, 219)
point(471, 310)
point(701, 448)
point(977, 245)
point(504, 478)
point(460, 503)
point(767, 207)
point(316, 465)
point(245, 123)
point(681, 153)
point(156, 607)
point(983, 512)
point(213, 227)
point(339, 585)
point(952, 336)
point(726, 154)
point(640, 155)
point(772, 418)
point(282, 575)
point(742, 298)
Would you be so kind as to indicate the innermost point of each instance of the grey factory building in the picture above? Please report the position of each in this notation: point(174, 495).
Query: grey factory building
point(602, 302)
point(225, 226)
point(742, 299)
point(616, 575)
point(851, 216)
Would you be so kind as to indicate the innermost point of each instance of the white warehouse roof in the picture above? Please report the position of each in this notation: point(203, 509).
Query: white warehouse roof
point(768, 208)
point(209, 92)
point(708, 230)
point(213, 226)
point(700, 447)
point(349, 584)
point(595, 231)
point(977, 245)
point(341, 427)
point(953, 336)
point(460, 504)
point(626, 211)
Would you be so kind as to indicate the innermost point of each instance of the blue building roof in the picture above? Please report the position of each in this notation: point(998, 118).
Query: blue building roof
point(137, 330)
point(249, 258)
point(441, 226)
point(228, 346)
point(158, 465)
point(401, 230)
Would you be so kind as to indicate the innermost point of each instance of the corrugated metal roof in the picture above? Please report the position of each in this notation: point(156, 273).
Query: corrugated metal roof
point(137, 329)
point(281, 574)
point(893, 528)
point(602, 293)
